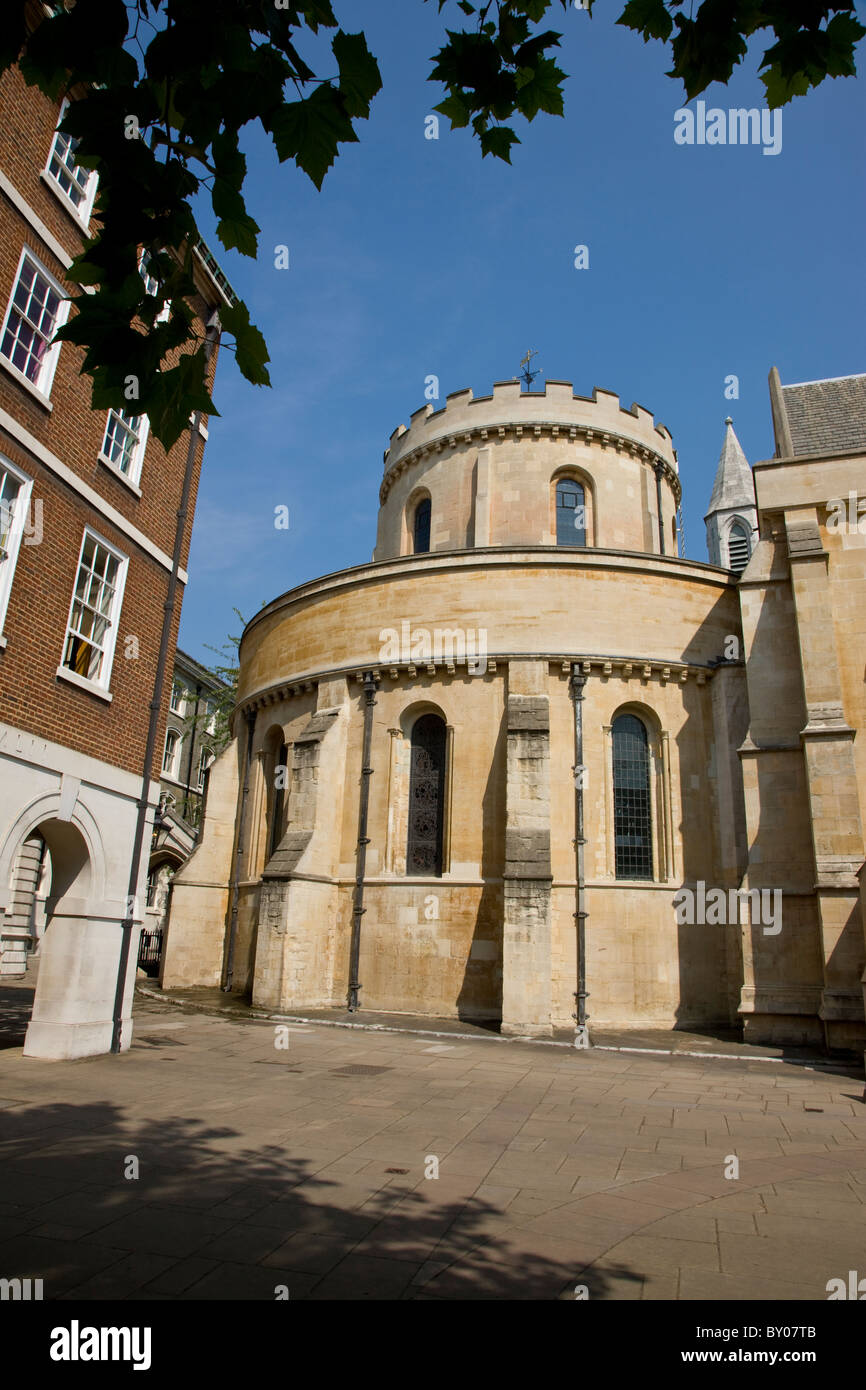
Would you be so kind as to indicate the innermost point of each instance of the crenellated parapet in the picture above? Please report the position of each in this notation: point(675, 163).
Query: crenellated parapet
point(599, 422)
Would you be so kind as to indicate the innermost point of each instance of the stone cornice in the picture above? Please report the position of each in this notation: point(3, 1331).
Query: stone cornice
point(626, 668)
point(487, 433)
point(828, 456)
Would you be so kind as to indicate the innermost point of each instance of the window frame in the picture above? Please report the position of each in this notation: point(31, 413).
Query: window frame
point(564, 480)
point(81, 214)
point(180, 707)
point(440, 864)
point(423, 501)
point(204, 753)
point(171, 771)
point(134, 474)
point(42, 387)
point(652, 811)
point(16, 533)
point(103, 681)
point(210, 716)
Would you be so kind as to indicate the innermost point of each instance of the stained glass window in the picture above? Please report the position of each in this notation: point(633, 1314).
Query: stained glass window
point(632, 815)
point(426, 796)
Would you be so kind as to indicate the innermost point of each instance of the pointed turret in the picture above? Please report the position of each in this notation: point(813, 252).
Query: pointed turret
point(732, 520)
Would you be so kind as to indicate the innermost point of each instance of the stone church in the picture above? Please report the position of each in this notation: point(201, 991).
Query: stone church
point(533, 765)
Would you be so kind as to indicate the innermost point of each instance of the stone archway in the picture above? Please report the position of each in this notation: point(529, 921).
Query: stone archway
point(162, 868)
point(76, 987)
point(70, 873)
point(52, 860)
point(160, 872)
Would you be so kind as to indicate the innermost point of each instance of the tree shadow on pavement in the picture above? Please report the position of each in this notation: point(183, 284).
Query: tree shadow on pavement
point(16, 1006)
point(209, 1217)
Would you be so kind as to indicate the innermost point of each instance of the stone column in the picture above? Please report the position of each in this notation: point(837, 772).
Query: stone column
point(449, 798)
point(609, 842)
point(828, 750)
point(528, 876)
point(392, 827)
point(482, 498)
point(298, 926)
point(196, 927)
point(670, 845)
point(257, 826)
point(782, 974)
point(74, 1001)
point(730, 725)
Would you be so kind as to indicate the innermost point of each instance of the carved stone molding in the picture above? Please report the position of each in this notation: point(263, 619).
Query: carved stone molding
point(554, 429)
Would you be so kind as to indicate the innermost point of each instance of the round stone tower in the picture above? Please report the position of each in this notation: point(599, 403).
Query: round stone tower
point(486, 468)
point(419, 738)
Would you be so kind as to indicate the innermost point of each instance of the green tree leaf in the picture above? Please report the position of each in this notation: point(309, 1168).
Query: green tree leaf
point(359, 72)
point(649, 17)
point(541, 90)
point(455, 110)
point(311, 130)
point(191, 87)
point(251, 349)
point(498, 141)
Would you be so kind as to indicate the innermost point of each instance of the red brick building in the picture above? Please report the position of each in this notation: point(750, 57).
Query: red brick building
point(88, 509)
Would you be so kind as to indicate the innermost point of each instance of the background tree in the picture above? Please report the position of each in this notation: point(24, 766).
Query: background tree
point(225, 670)
point(163, 88)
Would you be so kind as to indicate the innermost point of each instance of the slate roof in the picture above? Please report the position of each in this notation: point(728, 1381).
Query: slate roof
point(734, 485)
point(826, 416)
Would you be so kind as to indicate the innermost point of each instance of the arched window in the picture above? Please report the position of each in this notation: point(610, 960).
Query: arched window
point(632, 814)
point(205, 758)
point(278, 811)
point(426, 796)
point(421, 527)
point(570, 512)
point(738, 547)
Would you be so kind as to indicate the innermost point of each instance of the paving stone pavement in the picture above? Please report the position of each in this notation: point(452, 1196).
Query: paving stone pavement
point(306, 1167)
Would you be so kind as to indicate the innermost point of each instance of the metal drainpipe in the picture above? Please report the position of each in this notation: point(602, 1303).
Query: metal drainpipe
point(358, 908)
point(659, 474)
point(578, 681)
point(239, 854)
point(213, 330)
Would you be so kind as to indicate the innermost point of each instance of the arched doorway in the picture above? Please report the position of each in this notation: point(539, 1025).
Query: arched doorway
point(76, 998)
point(161, 870)
point(50, 872)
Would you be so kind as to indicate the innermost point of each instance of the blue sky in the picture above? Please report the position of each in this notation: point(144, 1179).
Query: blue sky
point(418, 258)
